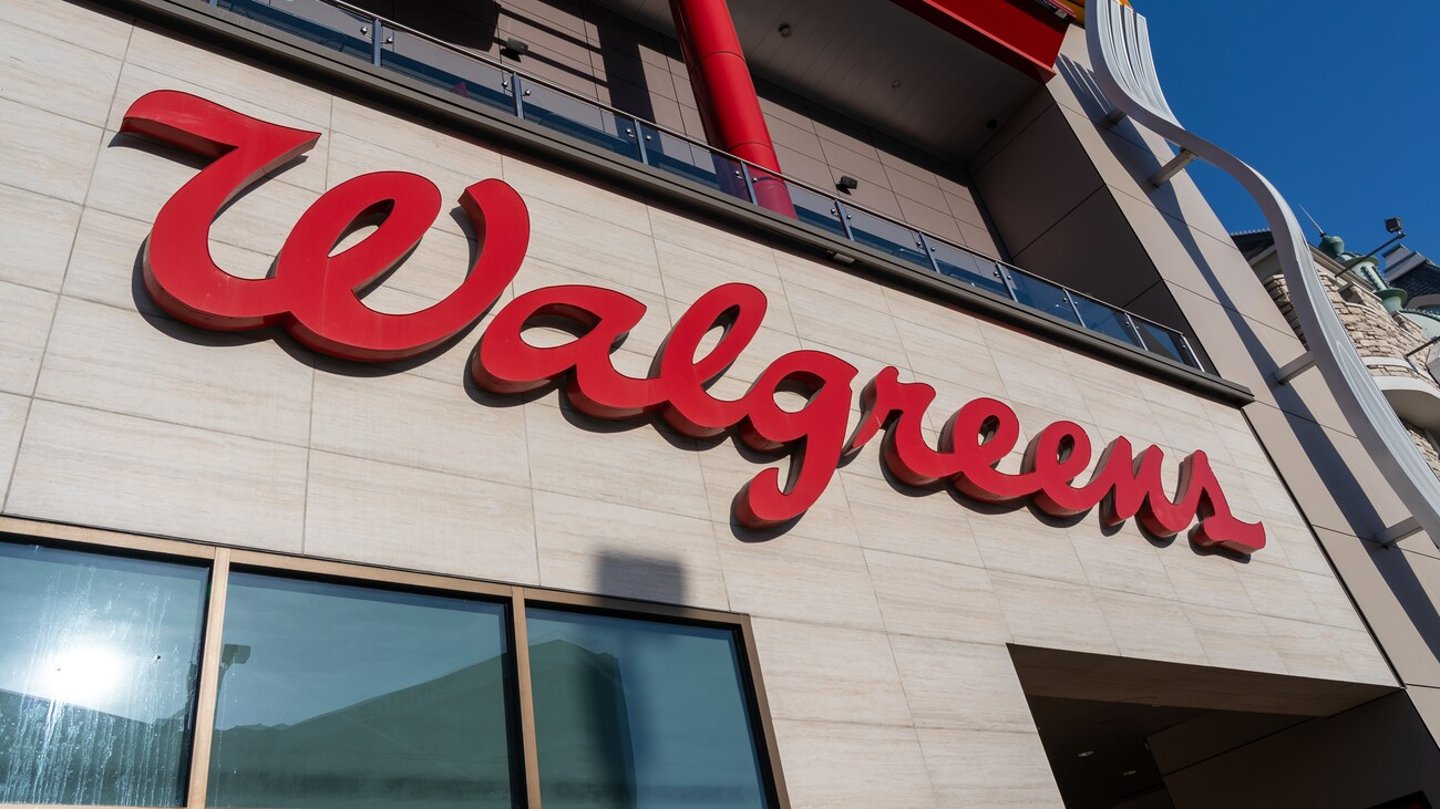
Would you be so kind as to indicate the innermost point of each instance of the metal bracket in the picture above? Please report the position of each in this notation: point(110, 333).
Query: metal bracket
point(1388, 537)
point(1176, 165)
point(1115, 116)
point(1293, 368)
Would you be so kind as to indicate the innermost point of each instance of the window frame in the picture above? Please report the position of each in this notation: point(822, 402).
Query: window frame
point(514, 597)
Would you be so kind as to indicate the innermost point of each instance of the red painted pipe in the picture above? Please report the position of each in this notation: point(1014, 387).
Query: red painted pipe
point(725, 93)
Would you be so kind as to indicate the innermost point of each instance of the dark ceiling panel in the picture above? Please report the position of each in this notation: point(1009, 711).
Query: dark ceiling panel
point(847, 59)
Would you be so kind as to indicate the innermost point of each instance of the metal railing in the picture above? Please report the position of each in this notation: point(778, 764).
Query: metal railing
point(484, 81)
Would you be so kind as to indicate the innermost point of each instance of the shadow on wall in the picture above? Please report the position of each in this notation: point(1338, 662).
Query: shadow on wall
point(649, 578)
point(1320, 451)
point(620, 58)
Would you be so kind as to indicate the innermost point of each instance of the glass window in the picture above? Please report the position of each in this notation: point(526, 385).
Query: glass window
point(98, 656)
point(636, 713)
point(339, 696)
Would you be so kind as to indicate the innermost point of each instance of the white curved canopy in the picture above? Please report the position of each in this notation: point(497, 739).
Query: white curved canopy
point(1119, 45)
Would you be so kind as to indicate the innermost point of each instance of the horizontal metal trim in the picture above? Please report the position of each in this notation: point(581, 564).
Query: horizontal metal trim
point(218, 27)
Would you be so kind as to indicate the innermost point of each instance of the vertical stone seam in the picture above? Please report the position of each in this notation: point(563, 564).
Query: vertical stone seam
point(60, 292)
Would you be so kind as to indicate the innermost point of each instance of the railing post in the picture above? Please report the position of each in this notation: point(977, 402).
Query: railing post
point(375, 40)
point(749, 182)
point(1009, 284)
point(1189, 349)
point(640, 141)
point(844, 218)
point(929, 251)
point(1135, 330)
point(519, 93)
point(1070, 299)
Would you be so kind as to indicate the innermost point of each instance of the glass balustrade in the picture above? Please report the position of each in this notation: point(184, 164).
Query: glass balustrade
point(335, 25)
point(886, 235)
point(695, 163)
point(427, 61)
point(1165, 342)
point(581, 119)
point(815, 209)
point(322, 23)
point(1037, 293)
point(1105, 319)
point(962, 265)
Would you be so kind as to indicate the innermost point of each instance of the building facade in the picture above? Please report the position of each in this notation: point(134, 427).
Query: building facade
point(464, 404)
point(1393, 335)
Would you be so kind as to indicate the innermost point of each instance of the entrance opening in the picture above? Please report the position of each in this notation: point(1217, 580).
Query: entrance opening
point(1137, 734)
point(1116, 754)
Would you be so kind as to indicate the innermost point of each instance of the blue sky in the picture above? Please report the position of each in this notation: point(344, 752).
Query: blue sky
point(1337, 102)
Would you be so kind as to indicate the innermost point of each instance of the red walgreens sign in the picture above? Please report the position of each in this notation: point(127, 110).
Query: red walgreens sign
point(314, 296)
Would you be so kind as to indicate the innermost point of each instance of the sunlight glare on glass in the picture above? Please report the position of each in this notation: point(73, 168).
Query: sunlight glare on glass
point(88, 675)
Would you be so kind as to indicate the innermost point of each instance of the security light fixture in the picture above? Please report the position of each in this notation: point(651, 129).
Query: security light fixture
point(515, 47)
point(1394, 226)
point(846, 183)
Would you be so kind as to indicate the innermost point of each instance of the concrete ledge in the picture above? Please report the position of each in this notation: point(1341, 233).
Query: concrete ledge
point(1415, 401)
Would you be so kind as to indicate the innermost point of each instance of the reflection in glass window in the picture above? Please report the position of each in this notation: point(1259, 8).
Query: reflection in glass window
point(643, 714)
point(341, 696)
point(97, 663)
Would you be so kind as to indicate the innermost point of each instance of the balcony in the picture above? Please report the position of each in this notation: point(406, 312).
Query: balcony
point(358, 34)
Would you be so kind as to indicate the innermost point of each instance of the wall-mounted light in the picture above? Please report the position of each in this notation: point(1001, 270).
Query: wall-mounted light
point(514, 48)
point(846, 183)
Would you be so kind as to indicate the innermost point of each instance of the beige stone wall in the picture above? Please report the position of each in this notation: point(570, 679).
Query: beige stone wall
point(881, 618)
point(1377, 335)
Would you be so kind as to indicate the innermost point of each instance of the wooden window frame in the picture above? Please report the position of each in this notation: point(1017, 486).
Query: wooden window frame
point(516, 598)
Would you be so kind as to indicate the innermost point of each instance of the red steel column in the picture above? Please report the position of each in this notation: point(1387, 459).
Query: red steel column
point(729, 108)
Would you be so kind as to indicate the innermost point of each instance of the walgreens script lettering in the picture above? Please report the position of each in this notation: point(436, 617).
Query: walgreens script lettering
point(314, 295)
